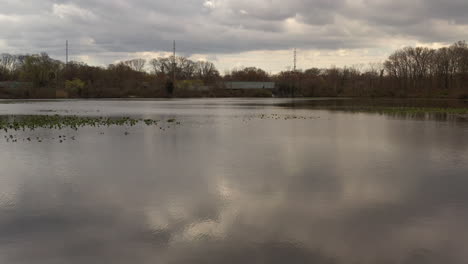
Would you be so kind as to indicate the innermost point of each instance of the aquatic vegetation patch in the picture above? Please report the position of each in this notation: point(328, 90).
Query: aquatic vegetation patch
point(22, 123)
point(277, 117)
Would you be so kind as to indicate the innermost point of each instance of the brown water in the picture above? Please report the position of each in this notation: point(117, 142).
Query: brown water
point(238, 181)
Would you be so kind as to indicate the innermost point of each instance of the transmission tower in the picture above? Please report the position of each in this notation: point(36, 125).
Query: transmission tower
point(174, 63)
point(66, 52)
point(295, 59)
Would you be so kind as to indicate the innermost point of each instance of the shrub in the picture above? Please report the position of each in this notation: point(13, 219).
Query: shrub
point(74, 87)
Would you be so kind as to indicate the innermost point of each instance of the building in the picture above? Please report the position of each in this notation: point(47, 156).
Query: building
point(249, 85)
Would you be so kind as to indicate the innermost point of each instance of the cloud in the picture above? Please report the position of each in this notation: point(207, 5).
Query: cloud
point(227, 26)
point(71, 11)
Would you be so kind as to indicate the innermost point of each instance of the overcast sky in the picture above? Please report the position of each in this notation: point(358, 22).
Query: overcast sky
point(231, 33)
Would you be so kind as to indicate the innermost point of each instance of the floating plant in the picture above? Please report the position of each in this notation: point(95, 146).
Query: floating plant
point(18, 123)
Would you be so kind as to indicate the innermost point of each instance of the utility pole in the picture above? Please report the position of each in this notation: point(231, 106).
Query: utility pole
point(295, 59)
point(174, 64)
point(294, 74)
point(66, 53)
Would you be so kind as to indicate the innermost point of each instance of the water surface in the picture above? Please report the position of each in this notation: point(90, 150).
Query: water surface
point(238, 181)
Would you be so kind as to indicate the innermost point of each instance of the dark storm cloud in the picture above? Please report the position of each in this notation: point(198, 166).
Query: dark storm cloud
point(224, 26)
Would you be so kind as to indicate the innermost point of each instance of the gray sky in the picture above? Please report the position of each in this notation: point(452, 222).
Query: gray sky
point(231, 33)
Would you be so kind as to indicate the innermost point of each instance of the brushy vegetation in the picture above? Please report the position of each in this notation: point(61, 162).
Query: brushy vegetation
point(399, 110)
point(23, 123)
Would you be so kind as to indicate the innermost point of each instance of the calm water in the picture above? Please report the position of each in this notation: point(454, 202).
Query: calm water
point(229, 185)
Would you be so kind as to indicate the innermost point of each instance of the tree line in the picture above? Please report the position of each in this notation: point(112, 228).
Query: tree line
point(122, 79)
point(408, 72)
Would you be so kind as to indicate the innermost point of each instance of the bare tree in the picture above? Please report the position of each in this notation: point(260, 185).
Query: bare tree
point(184, 67)
point(206, 71)
point(160, 66)
point(9, 62)
point(136, 64)
point(248, 74)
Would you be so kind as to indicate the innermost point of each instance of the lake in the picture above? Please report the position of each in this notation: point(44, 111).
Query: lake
point(236, 181)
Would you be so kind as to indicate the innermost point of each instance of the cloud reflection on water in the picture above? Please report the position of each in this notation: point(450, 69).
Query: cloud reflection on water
point(260, 192)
